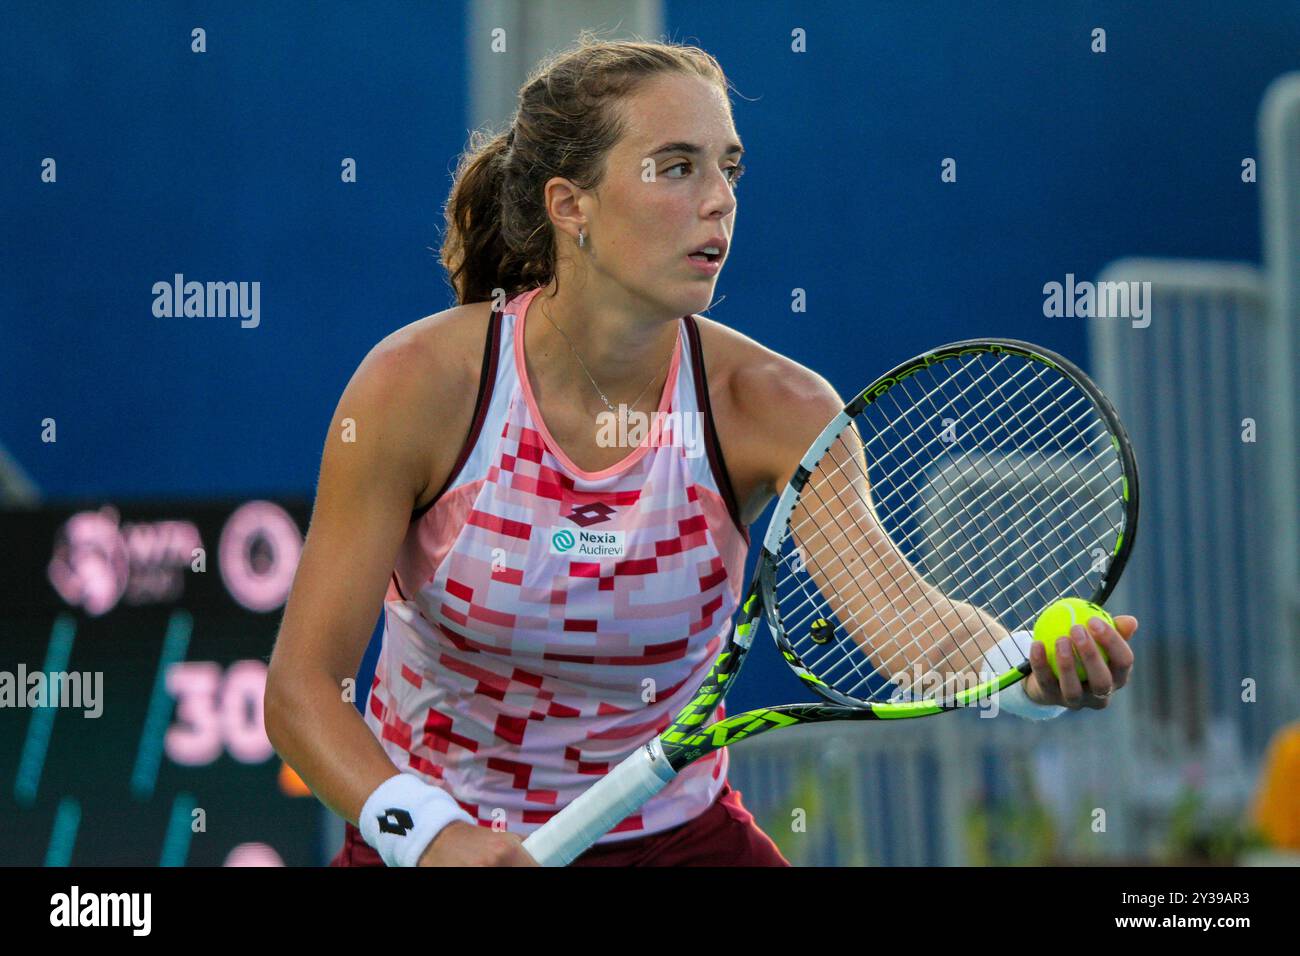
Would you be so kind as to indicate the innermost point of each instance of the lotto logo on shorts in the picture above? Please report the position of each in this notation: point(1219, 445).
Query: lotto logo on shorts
point(588, 544)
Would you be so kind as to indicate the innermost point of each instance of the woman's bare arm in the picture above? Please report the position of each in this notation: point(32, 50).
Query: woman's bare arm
point(375, 464)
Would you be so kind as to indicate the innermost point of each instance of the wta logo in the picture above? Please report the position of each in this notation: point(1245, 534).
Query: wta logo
point(562, 541)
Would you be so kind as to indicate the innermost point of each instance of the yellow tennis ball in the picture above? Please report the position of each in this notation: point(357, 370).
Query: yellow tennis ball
point(1055, 623)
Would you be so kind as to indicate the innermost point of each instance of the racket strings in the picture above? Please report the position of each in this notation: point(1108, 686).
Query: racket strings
point(1008, 490)
point(934, 549)
point(1016, 581)
point(890, 477)
point(1055, 473)
point(1027, 416)
point(910, 501)
point(817, 557)
point(892, 613)
point(901, 424)
point(813, 600)
point(903, 591)
point(884, 562)
point(891, 619)
point(1054, 554)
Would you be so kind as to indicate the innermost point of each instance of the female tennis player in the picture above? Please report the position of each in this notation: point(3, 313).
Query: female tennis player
point(554, 584)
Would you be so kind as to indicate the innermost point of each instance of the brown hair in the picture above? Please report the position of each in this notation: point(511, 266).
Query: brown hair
point(498, 231)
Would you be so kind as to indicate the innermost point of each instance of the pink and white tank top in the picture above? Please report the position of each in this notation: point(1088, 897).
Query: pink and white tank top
point(543, 621)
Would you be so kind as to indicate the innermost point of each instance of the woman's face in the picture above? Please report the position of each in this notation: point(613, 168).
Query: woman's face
point(668, 191)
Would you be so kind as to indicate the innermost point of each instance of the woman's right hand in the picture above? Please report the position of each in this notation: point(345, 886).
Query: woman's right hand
point(464, 844)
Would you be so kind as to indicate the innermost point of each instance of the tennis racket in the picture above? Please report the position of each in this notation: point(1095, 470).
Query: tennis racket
point(941, 510)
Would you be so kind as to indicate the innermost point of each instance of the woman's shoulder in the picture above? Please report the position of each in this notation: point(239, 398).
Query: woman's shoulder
point(449, 342)
point(432, 362)
point(422, 379)
point(768, 408)
point(759, 382)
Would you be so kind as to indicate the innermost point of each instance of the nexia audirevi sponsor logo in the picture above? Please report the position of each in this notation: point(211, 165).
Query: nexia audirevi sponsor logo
point(588, 544)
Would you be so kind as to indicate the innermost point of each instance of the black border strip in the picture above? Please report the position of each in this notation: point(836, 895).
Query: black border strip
point(714, 449)
point(486, 380)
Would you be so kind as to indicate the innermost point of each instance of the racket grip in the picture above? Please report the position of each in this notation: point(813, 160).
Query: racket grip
point(602, 806)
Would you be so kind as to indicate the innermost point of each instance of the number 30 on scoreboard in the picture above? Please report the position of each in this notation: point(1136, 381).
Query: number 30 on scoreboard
point(217, 712)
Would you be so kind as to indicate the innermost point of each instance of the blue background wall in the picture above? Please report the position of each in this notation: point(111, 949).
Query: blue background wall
point(1066, 159)
point(225, 166)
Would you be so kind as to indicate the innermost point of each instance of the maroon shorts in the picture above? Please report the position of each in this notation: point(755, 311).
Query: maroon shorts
point(723, 835)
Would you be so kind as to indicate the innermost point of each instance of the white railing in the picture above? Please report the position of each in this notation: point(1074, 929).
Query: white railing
point(1192, 388)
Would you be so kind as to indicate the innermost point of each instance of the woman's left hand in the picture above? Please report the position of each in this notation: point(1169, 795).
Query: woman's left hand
point(1104, 678)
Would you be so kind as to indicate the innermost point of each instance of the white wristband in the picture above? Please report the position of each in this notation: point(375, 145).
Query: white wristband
point(404, 814)
point(1011, 650)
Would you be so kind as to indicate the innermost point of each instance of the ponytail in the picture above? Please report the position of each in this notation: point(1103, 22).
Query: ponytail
point(474, 251)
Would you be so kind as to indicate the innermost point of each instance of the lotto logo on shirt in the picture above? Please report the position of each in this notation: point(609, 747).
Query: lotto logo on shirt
point(588, 544)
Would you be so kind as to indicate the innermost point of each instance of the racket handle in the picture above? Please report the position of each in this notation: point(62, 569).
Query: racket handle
point(601, 807)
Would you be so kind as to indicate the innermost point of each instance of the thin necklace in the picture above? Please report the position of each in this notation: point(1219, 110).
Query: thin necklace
point(608, 403)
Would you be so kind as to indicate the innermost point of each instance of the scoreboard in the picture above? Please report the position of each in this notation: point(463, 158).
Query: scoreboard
point(134, 641)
